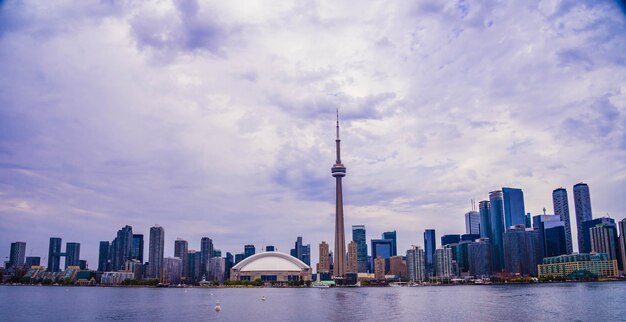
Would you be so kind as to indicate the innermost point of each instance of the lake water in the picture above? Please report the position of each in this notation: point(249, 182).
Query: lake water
point(541, 302)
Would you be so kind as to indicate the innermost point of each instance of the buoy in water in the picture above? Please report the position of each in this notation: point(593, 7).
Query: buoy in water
point(218, 307)
point(263, 298)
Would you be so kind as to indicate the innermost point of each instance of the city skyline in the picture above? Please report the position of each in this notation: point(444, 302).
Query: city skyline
point(221, 127)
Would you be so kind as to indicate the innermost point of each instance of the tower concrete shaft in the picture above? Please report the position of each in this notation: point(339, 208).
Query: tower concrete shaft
point(339, 171)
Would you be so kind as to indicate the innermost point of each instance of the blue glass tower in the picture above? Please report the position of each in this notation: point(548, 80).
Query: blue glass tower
point(359, 237)
point(514, 212)
point(430, 244)
point(382, 248)
point(561, 209)
point(391, 235)
point(586, 235)
point(496, 219)
point(485, 219)
point(582, 206)
point(450, 239)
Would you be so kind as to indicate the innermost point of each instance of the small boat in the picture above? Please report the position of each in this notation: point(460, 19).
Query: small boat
point(218, 307)
point(320, 285)
point(262, 298)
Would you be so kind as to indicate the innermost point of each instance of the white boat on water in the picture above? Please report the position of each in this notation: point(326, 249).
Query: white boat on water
point(320, 285)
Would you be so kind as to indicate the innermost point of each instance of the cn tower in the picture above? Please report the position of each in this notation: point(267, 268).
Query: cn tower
point(339, 171)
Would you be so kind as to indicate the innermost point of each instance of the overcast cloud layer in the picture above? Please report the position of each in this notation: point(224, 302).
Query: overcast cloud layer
point(217, 118)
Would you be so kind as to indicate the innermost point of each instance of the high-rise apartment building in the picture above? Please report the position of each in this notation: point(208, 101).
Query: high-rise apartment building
point(72, 254)
point(561, 209)
point(121, 248)
point(379, 268)
point(622, 242)
point(54, 254)
point(103, 256)
point(582, 206)
point(137, 249)
point(522, 250)
point(415, 264)
point(514, 212)
point(32, 261)
point(472, 222)
point(443, 262)
point(480, 258)
point(193, 266)
point(217, 270)
point(352, 266)
point(484, 210)
point(323, 265)
point(496, 218)
point(181, 249)
point(397, 267)
point(586, 232)
point(359, 237)
point(430, 244)
point(301, 251)
point(17, 255)
point(156, 251)
point(206, 252)
point(172, 270)
point(604, 240)
point(249, 250)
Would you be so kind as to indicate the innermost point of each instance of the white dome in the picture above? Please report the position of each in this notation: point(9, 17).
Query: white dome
point(270, 262)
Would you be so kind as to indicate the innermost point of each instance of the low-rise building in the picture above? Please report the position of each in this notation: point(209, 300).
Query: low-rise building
point(577, 266)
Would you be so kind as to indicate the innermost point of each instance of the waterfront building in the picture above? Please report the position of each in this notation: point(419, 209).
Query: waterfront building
point(206, 252)
point(496, 218)
point(480, 257)
point(397, 267)
point(270, 248)
point(379, 268)
point(229, 262)
point(522, 251)
point(469, 237)
point(156, 251)
point(622, 242)
point(576, 266)
point(484, 210)
point(514, 212)
point(382, 248)
point(172, 270)
point(472, 222)
point(430, 244)
point(217, 270)
point(460, 254)
point(561, 209)
point(301, 251)
point(359, 237)
point(352, 266)
point(181, 249)
point(72, 254)
point(338, 172)
point(324, 262)
point(552, 239)
point(121, 248)
point(103, 256)
point(82, 264)
point(135, 266)
point(17, 255)
point(271, 267)
point(415, 264)
point(586, 231)
point(54, 254)
point(450, 239)
point(33, 261)
point(137, 249)
point(391, 235)
point(115, 278)
point(194, 271)
point(582, 206)
point(604, 240)
point(443, 262)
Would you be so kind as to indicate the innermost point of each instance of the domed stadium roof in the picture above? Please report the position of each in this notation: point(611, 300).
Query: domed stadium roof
point(271, 262)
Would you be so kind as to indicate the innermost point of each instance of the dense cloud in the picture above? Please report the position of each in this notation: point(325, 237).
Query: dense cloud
point(217, 118)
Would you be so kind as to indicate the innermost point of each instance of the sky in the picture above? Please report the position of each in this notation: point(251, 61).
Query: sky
point(217, 118)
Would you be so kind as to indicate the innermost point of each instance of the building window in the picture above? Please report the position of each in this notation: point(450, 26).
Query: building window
point(269, 278)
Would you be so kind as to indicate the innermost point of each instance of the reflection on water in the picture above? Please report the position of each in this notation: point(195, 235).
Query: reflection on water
point(569, 301)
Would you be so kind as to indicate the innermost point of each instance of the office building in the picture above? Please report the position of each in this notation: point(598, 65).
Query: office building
point(480, 254)
point(430, 244)
point(622, 242)
point(415, 264)
point(338, 172)
point(206, 252)
point(472, 223)
point(54, 254)
point(460, 254)
point(561, 209)
point(551, 235)
point(586, 231)
point(172, 270)
point(72, 254)
point(528, 220)
point(229, 262)
point(443, 263)
point(238, 258)
point(450, 239)
point(604, 240)
point(582, 206)
point(217, 270)
point(217, 253)
point(496, 218)
point(469, 237)
point(484, 210)
point(121, 248)
point(397, 267)
point(103, 256)
point(181, 249)
point(382, 248)
point(359, 237)
point(352, 266)
point(522, 251)
point(579, 266)
point(17, 255)
point(379, 268)
point(248, 250)
point(301, 251)
point(514, 212)
point(33, 261)
point(270, 248)
point(156, 251)
point(391, 235)
point(137, 249)
point(194, 273)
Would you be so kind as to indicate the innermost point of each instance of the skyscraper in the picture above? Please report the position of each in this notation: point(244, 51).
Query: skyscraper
point(323, 265)
point(103, 256)
point(172, 269)
point(514, 212)
point(206, 251)
point(121, 248)
point(561, 209)
point(379, 268)
point(72, 254)
point(430, 244)
point(485, 218)
point(551, 235)
point(359, 237)
point(450, 239)
point(586, 232)
point(604, 240)
point(32, 261)
point(339, 171)
point(17, 255)
point(415, 266)
point(496, 218)
point(472, 223)
point(54, 254)
point(352, 266)
point(137, 249)
point(193, 266)
point(479, 254)
point(582, 205)
point(391, 235)
point(397, 267)
point(522, 251)
point(381, 248)
point(622, 242)
point(301, 251)
point(443, 262)
point(181, 250)
point(248, 250)
point(156, 251)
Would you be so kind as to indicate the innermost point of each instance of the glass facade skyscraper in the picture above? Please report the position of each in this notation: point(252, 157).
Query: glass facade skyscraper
point(582, 205)
point(359, 237)
point(156, 251)
point(103, 256)
point(391, 235)
point(72, 254)
point(514, 212)
point(206, 251)
point(248, 250)
point(430, 244)
point(301, 251)
point(382, 248)
point(137, 250)
point(604, 240)
point(121, 248)
point(479, 254)
point(485, 218)
point(561, 209)
point(622, 242)
point(496, 219)
point(450, 239)
point(551, 235)
point(472, 223)
point(586, 233)
point(54, 254)
point(17, 255)
point(522, 250)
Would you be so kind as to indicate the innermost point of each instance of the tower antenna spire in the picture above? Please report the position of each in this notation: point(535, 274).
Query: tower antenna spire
point(337, 123)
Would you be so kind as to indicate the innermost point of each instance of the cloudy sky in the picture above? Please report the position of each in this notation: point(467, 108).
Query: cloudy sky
point(217, 118)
